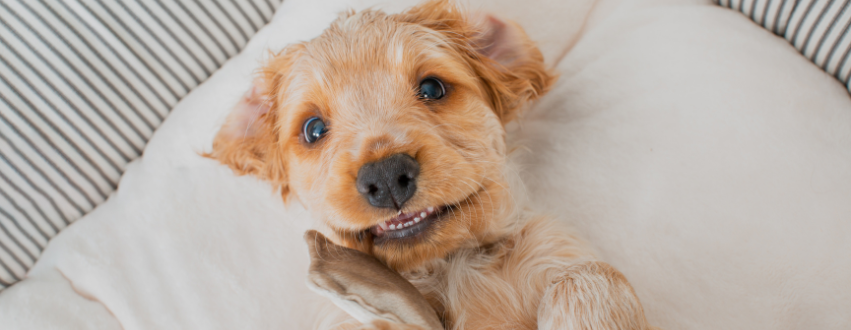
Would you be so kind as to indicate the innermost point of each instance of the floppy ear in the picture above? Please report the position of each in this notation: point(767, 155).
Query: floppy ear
point(514, 72)
point(248, 142)
point(509, 64)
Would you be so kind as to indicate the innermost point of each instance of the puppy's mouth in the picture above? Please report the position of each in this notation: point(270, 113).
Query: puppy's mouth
point(407, 225)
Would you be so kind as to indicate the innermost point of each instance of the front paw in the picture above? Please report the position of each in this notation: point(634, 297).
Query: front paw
point(387, 325)
point(591, 295)
point(365, 288)
point(381, 325)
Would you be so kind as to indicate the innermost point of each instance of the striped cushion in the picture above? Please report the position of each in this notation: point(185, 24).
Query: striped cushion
point(83, 85)
point(819, 29)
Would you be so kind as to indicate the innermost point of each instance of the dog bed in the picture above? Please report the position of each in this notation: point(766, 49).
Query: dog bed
point(700, 154)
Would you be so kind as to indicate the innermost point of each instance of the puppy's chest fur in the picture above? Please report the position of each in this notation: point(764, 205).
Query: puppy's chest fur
point(500, 285)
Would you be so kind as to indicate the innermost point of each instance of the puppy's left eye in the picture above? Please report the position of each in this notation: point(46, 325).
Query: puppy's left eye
point(431, 89)
point(314, 128)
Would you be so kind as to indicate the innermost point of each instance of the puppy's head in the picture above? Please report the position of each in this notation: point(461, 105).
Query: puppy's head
point(389, 128)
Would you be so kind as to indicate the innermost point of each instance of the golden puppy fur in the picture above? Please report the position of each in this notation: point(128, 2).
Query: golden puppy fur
point(486, 263)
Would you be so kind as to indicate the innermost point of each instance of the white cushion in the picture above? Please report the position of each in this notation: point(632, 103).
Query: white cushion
point(701, 155)
point(707, 160)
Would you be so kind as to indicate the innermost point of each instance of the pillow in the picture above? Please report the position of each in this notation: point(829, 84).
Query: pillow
point(819, 29)
point(83, 86)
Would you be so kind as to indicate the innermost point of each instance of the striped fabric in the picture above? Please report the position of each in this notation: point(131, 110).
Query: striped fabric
point(819, 29)
point(83, 85)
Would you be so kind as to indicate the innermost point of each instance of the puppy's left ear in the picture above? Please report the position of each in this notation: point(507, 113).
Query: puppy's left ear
point(510, 65)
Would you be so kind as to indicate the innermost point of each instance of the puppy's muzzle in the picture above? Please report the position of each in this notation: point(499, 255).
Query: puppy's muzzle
point(390, 182)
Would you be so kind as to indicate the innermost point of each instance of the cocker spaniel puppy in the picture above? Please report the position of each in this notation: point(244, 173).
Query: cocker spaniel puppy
point(390, 130)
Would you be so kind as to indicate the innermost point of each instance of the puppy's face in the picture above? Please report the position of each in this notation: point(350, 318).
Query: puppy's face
point(389, 128)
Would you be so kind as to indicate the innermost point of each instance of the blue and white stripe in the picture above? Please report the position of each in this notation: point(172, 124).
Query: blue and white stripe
point(819, 29)
point(83, 85)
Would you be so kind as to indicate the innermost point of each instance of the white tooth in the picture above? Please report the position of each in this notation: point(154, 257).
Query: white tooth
point(408, 224)
point(383, 225)
point(423, 214)
point(430, 209)
point(392, 227)
point(417, 220)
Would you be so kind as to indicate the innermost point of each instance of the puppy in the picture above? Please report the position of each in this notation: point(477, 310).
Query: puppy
point(390, 130)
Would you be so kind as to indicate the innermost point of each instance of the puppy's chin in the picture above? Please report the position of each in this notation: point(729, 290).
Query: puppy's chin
point(410, 239)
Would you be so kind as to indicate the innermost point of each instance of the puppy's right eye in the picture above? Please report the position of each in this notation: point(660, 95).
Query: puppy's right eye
point(314, 129)
point(431, 89)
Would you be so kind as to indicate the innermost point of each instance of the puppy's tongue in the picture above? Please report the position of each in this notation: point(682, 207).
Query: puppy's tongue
point(401, 221)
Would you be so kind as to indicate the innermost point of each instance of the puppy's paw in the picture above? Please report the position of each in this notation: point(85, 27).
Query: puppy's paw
point(365, 288)
point(591, 295)
point(387, 325)
point(377, 325)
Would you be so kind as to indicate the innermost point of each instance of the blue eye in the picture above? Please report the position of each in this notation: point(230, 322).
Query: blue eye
point(431, 89)
point(314, 129)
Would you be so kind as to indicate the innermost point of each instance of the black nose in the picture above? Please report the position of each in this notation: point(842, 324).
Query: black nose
point(389, 182)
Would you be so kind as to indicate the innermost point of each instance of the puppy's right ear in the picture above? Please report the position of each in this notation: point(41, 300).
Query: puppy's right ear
point(249, 141)
point(245, 141)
